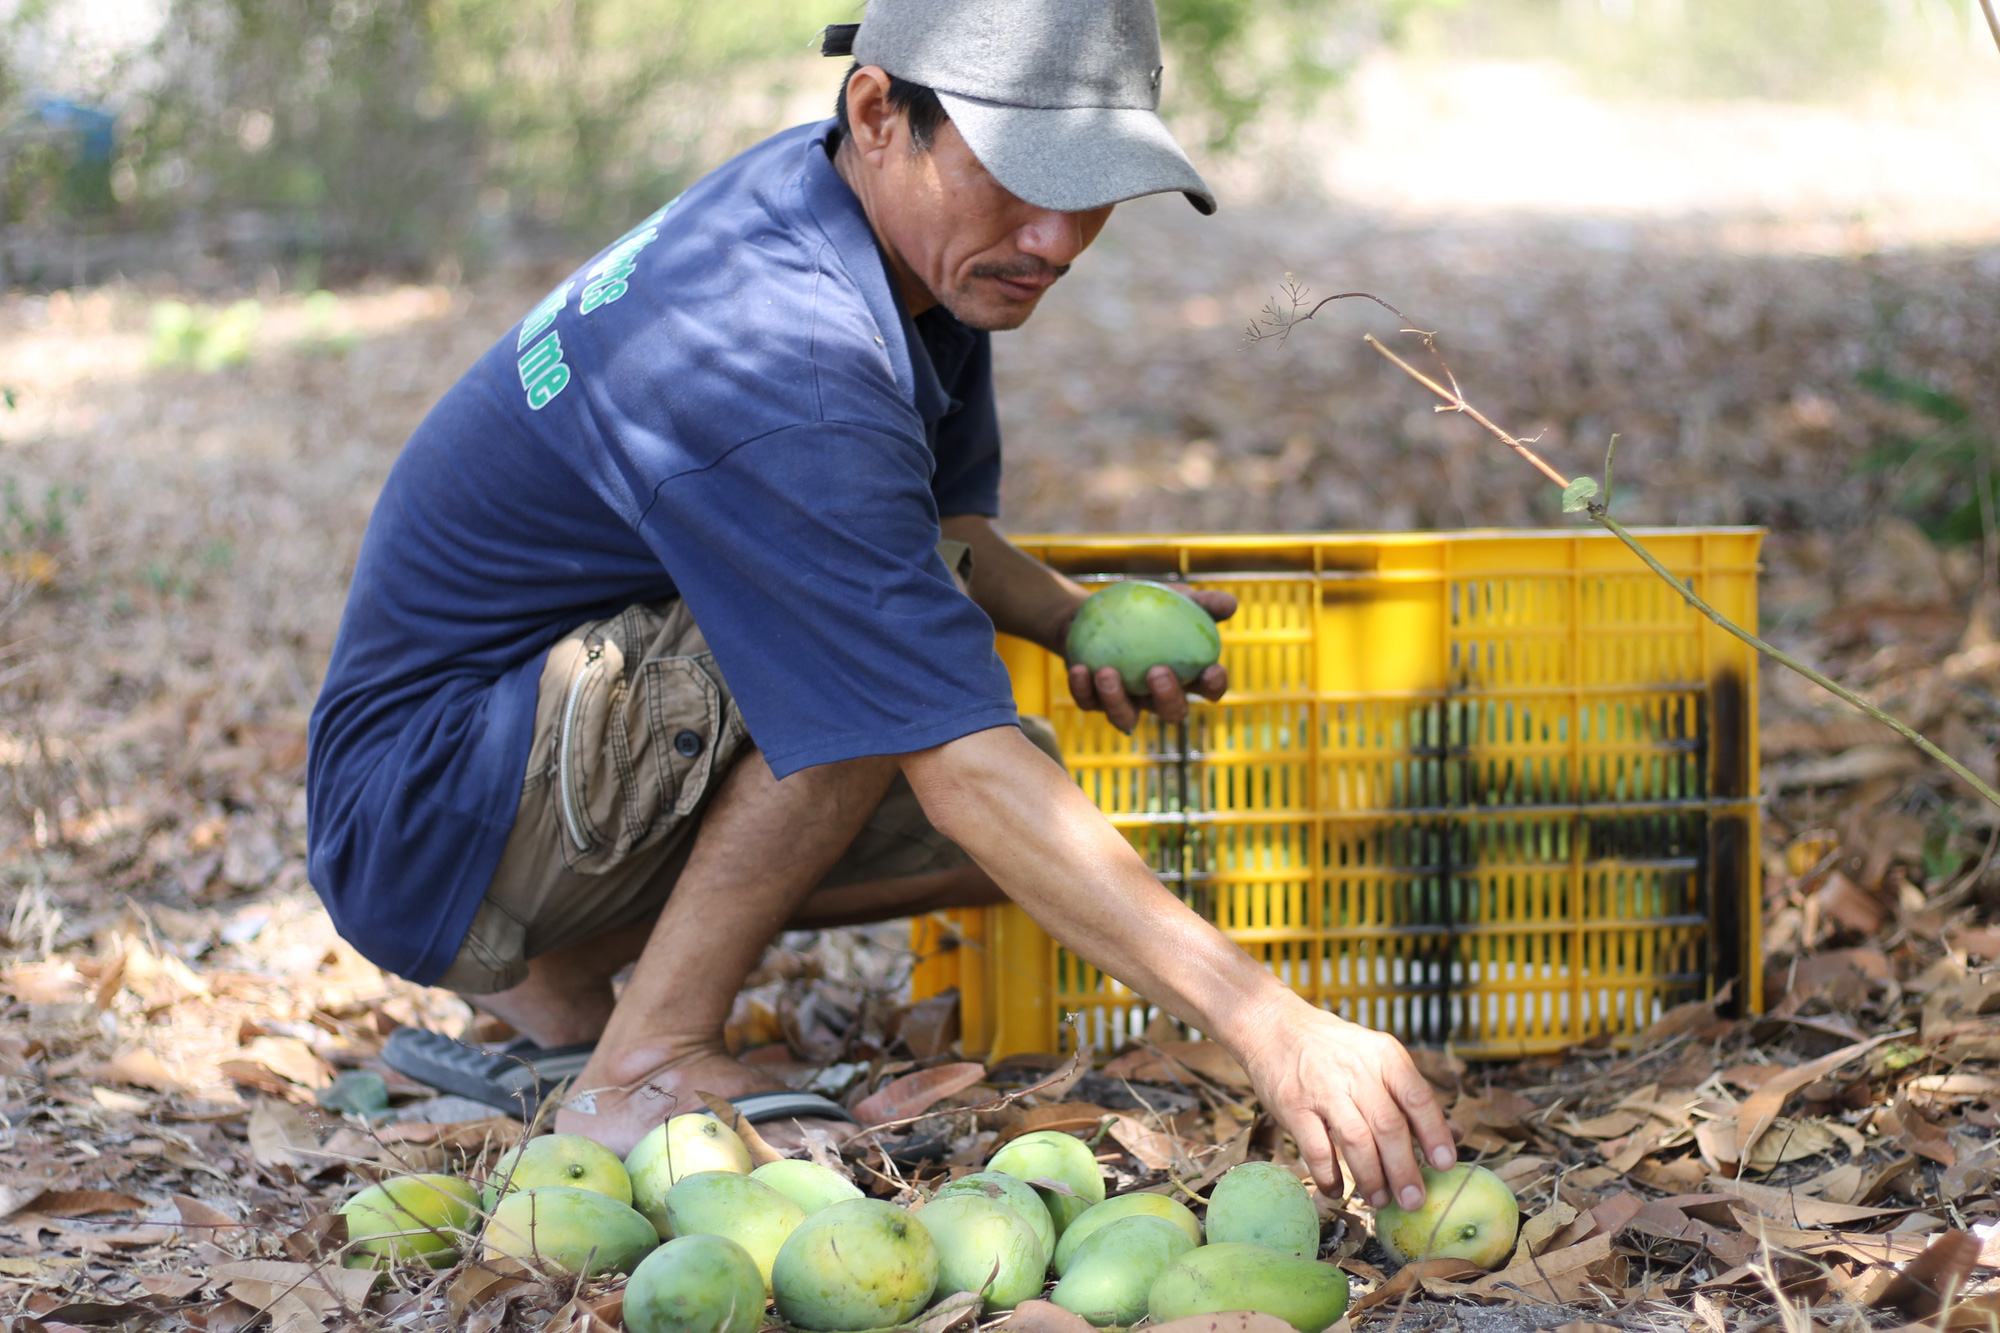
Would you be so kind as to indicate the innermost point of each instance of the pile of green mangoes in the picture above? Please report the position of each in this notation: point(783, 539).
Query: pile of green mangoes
point(833, 1261)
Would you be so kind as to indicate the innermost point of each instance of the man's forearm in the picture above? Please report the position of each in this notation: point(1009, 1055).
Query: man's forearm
point(1053, 852)
point(1023, 596)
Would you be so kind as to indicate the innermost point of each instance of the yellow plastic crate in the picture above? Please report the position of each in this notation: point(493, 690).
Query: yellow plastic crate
point(1491, 789)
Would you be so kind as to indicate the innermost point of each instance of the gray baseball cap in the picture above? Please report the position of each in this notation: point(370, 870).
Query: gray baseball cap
point(1059, 99)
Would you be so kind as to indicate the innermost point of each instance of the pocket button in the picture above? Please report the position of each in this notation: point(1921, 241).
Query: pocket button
point(687, 743)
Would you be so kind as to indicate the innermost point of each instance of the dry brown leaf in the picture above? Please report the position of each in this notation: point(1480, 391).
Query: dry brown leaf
point(1069, 1117)
point(1760, 1109)
point(1156, 1151)
point(279, 1135)
point(84, 1203)
point(320, 1288)
point(1798, 1210)
point(1690, 1017)
point(961, 1307)
point(123, 1103)
point(286, 1058)
point(476, 1284)
point(203, 1222)
point(140, 1067)
point(228, 1315)
point(1615, 1125)
point(914, 1094)
point(171, 1286)
point(1636, 1149)
point(1517, 1173)
point(1934, 1279)
point(51, 981)
point(1045, 1317)
point(1409, 1275)
point(1887, 1247)
point(1980, 1313)
point(1175, 1061)
point(1784, 1141)
point(1954, 1088)
point(1539, 1230)
point(1559, 1277)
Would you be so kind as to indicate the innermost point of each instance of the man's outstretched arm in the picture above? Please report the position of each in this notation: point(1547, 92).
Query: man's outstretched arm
point(1331, 1084)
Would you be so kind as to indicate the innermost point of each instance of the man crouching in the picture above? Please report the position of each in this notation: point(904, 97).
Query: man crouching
point(673, 626)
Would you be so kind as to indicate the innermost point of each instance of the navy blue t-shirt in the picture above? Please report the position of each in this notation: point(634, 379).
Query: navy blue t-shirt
point(729, 405)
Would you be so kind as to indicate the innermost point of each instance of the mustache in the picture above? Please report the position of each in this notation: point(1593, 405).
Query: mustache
point(1019, 270)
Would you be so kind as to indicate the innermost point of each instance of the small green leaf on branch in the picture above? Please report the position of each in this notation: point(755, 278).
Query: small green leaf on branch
point(1578, 495)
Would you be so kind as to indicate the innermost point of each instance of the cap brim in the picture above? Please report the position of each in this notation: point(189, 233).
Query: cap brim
point(1075, 158)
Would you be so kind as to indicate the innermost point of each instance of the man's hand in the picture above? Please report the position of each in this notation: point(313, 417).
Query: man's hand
point(1335, 1086)
point(1105, 690)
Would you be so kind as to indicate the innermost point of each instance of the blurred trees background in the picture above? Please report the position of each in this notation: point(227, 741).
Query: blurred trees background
point(399, 133)
point(395, 132)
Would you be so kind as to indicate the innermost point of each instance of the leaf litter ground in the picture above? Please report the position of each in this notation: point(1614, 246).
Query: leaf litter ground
point(177, 1008)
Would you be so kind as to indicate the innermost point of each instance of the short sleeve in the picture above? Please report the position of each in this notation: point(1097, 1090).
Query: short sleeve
point(968, 440)
point(808, 558)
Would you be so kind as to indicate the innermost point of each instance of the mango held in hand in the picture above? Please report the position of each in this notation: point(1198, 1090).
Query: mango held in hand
point(559, 1159)
point(1258, 1203)
point(1305, 1293)
point(1124, 1206)
point(686, 1145)
point(807, 1184)
point(1050, 1154)
point(858, 1265)
point(572, 1230)
point(1136, 626)
point(984, 1246)
point(1111, 1275)
point(423, 1217)
point(695, 1284)
point(1017, 1194)
point(1468, 1213)
point(746, 1210)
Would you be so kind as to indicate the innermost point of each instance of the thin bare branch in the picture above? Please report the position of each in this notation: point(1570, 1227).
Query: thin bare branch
point(1454, 400)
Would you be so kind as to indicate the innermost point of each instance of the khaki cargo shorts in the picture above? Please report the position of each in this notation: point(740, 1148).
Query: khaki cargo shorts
point(634, 728)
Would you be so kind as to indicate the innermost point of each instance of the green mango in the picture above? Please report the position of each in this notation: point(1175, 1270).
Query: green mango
point(1050, 1154)
point(695, 1284)
point(1305, 1293)
point(426, 1218)
point(1261, 1204)
point(559, 1159)
point(1112, 1272)
point(575, 1231)
point(807, 1184)
point(722, 1203)
point(1125, 1205)
point(984, 1246)
point(1468, 1213)
point(1017, 1194)
point(1135, 626)
point(684, 1146)
point(863, 1264)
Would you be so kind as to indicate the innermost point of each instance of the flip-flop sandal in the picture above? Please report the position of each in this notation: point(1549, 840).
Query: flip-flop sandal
point(515, 1077)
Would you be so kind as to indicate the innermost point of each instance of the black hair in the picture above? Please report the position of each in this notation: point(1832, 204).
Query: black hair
point(920, 107)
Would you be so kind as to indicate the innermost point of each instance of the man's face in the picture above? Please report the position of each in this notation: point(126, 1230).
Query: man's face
point(953, 232)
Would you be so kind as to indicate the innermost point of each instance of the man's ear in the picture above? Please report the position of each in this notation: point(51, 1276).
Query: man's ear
point(872, 123)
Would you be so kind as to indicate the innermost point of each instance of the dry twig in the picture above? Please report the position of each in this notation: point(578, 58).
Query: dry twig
point(1582, 494)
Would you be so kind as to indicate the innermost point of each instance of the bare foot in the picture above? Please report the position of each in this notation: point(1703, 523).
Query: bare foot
point(619, 1112)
